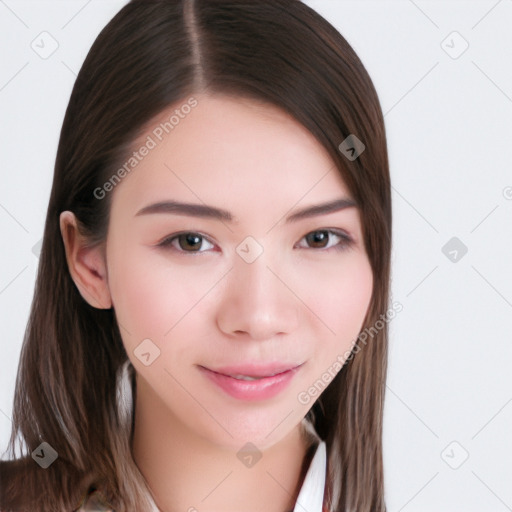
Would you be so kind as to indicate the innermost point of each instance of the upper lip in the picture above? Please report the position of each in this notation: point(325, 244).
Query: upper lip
point(255, 370)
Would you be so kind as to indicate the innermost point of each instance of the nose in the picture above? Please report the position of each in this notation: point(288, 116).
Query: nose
point(257, 302)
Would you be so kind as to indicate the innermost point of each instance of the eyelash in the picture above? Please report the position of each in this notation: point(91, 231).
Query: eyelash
point(345, 241)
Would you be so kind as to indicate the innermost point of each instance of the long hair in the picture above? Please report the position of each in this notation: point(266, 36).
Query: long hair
point(153, 54)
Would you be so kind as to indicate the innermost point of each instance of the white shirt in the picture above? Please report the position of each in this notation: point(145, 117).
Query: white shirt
point(311, 495)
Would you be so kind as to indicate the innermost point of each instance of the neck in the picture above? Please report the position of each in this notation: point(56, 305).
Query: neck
point(187, 472)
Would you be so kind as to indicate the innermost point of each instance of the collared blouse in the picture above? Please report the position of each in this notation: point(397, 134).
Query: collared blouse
point(310, 496)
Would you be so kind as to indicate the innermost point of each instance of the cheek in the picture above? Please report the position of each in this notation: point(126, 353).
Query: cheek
point(351, 298)
point(342, 303)
point(151, 296)
point(140, 299)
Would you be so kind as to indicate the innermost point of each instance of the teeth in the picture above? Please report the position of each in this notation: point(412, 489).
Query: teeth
point(246, 377)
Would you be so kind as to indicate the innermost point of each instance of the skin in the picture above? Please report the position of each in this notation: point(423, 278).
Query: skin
point(297, 302)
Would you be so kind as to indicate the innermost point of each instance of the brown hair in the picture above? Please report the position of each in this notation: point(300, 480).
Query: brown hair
point(153, 54)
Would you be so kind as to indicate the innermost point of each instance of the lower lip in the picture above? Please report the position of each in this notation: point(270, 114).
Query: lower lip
point(249, 390)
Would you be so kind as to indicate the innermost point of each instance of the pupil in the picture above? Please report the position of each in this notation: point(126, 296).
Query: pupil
point(318, 238)
point(191, 240)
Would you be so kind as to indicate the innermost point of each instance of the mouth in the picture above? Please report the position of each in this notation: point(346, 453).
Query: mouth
point(252, 382)
point(248, 377)
point(255, 372)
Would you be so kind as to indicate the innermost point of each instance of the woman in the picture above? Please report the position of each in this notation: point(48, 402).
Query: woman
point(218, 236)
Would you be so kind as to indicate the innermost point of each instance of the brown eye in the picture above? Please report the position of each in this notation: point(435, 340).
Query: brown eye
point(318, 239)
point(186, 242)
point(190, 241)
point(324, 238)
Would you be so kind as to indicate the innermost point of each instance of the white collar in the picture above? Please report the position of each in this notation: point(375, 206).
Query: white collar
point(311, 495)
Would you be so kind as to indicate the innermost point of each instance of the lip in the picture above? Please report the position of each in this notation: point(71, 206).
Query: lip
point(255, 370)
point(274, 378)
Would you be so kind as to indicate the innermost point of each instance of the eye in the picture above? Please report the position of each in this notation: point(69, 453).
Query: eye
point(327, 239)
point(192, 242)
point(187, 241)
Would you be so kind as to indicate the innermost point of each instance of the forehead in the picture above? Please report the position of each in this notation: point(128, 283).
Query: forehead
point(229, 150)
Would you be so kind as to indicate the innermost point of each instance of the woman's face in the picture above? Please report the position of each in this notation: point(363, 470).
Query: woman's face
point(250, 291)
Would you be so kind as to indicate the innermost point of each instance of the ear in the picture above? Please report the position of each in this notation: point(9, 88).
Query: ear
point(87, 265)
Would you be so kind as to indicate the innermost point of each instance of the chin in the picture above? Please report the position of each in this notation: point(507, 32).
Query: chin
point(259, 427)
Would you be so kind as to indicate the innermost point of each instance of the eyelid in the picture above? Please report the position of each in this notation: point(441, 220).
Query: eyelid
point(347, 241)
point(167, 241)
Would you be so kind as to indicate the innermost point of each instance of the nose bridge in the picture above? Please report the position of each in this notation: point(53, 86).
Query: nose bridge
point(256, 301)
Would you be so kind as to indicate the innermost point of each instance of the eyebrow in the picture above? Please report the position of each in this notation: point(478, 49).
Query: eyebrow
point(211, 212)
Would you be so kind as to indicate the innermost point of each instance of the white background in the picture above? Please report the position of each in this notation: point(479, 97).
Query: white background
point(449, 126)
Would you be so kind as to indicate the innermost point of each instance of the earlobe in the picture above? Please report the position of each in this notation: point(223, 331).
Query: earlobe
point(87, 265)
